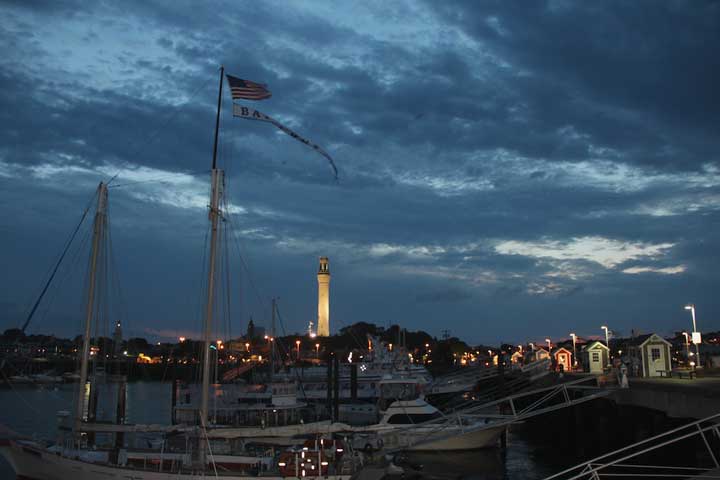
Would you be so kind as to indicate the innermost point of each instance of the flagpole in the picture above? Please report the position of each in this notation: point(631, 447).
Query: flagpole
point(217, 119)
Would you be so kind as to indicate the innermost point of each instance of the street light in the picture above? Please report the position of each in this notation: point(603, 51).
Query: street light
point(549, 344)
point(607, 336)
point(297, 344)
point(687, 345)
point(317, 350)
point(574, 337)
point(695, 334)
point(607, 340)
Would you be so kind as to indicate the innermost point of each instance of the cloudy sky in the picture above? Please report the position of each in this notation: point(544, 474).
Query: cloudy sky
point(508, 170)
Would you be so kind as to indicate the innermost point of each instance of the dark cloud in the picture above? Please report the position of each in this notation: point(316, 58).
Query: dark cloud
point(557, 163)
point(450, 295)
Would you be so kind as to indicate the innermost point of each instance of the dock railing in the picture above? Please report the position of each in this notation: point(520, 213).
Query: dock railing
point(626, 462)
point(498, 414)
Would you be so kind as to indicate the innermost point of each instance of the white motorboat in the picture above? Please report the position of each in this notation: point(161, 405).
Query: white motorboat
point(418, 426)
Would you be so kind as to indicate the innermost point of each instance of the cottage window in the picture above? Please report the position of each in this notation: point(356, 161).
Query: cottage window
point(595, 356)
point(655, 353)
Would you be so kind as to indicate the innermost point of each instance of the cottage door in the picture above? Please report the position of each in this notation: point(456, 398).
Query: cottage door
point(563, 360)
point(596, 365)
point(656, 360)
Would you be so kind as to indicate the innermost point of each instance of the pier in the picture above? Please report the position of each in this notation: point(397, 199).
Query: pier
point(676, 397)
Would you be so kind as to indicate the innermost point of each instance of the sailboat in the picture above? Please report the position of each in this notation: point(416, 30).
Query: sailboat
point(184, 451)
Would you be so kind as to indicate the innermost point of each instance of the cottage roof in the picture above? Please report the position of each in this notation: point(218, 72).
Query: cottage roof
point(643, 339)
point(594, 345)
point(561, 349)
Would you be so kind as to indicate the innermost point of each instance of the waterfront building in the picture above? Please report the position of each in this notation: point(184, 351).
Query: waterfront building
point(563, 359)
point(596, 356)
point(540, 354)
point(651, 353)
point(517, 358)
point(117, 340)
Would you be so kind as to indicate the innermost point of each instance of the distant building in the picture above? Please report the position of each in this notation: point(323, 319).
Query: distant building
point(651, 353)
point(117, 340)
point(563, 359)
point(251, 329)
point(323, 276)
point(596, 356)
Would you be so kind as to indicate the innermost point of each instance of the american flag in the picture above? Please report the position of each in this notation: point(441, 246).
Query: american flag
point(247, 90)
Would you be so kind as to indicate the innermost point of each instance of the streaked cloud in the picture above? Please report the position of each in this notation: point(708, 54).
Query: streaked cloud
point(662, 270)
point(605, 251)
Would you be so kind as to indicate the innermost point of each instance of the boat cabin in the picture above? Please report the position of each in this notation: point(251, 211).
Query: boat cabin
point(563, 359)
point(596, 356)
point(652, 353)
point(409, 412)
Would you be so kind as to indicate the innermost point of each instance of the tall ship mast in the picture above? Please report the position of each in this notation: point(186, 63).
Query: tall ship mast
point(185, 452)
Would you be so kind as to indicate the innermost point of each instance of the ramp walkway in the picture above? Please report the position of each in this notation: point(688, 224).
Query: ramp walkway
point(632, 461)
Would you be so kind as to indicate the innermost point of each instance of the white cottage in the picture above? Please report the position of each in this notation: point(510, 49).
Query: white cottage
point(596, 356)
point(652, 353)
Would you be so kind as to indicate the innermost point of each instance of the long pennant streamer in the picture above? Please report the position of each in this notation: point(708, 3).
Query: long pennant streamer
point(247, 113)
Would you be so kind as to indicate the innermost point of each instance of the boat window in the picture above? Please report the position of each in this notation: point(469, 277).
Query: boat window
point(402, 418)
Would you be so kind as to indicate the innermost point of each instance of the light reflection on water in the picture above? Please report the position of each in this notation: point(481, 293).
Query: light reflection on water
point(32, 411)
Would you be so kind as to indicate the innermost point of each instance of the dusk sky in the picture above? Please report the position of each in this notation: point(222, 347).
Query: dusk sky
point(508, 171)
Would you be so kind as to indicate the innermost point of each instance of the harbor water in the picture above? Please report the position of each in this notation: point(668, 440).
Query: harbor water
point(536, 449)
point(32, 411)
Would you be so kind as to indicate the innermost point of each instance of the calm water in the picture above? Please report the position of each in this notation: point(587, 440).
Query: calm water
point(32, 411)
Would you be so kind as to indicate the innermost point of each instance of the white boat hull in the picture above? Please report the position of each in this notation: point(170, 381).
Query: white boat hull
point(449, 439)
point(34, 463)
point(473, 440)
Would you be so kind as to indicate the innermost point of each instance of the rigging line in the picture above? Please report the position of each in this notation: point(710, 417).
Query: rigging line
point(153, 136)
point(120, 308)
point(227, 282)
point(12, 387)
point(295, 371)
point(244, 263)
point(57, 265)
point(199, 346)
point(65, 275)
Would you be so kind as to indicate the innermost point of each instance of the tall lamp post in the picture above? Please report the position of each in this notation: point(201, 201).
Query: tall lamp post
point(297, 344)
point(574, 337)
point(607, 340)
point(695, 334)
point(687, 345)
point(549, 344)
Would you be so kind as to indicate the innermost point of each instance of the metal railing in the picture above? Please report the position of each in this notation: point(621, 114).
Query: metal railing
point(620, 463)
point(505, 411)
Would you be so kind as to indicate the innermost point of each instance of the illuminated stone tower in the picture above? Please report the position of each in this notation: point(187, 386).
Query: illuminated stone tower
point(323, 323)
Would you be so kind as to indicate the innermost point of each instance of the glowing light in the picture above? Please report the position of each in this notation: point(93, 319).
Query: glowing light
point(182, 339)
